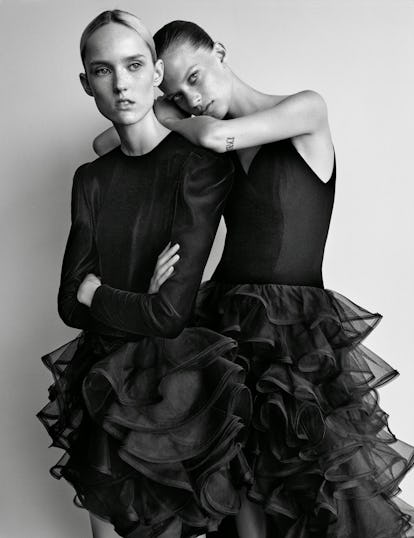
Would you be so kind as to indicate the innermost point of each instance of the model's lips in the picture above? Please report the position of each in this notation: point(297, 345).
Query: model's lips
point(207, 109)
point(124, 104)
point(203, 111)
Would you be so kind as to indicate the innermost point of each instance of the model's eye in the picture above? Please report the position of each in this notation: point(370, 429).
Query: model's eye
point(101, 71)
point(193, 77)
point(177, 97)
point(135, 66)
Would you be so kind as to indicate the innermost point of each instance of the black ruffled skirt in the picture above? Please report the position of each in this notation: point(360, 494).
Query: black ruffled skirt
point(324, 462)
point(152, 430)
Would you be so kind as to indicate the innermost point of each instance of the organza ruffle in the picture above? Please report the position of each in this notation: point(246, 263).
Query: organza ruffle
point(152, 430)
point(325, 463)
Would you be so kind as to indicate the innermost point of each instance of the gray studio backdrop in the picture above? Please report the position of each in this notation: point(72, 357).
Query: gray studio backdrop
point(359, 55)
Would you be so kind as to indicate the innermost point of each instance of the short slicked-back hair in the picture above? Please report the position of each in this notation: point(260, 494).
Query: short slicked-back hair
point(120, 17)
point(179, 33)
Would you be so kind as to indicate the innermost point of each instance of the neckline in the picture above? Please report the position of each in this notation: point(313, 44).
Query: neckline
point(154, 149)
point(289, 142)
point(247, 172)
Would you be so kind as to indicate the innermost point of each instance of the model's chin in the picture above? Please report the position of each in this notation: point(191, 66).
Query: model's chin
point(125, 117)
point(122, 116)
point(218, 115)
point(217, 111)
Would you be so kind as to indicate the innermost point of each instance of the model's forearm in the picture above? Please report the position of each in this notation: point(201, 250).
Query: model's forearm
point(138, 313)
point(304, 113)
point(200, 130)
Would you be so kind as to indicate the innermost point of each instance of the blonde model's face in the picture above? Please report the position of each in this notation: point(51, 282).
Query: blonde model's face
point(120, 73)
point(195, 79)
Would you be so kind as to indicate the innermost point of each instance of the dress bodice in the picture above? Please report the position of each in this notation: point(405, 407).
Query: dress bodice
point(277, 219)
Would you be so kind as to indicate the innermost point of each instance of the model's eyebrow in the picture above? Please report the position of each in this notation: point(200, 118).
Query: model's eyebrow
point(171, 95)
point(188, 71)
point(127, 59)
point(135, 57)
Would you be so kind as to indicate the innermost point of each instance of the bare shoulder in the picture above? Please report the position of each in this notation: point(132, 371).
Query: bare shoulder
point(316, 147)
point(309, 98)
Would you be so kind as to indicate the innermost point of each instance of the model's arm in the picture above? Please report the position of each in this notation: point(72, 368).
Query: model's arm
point(303, 113)
point(205, 183)
point(79, 258)
point(106, 141)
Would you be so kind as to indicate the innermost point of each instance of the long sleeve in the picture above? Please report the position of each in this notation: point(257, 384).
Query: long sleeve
point(205, 183)
point(79, 258)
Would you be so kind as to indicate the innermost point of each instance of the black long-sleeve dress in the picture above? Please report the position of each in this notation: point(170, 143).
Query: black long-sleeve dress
point(150, 413)
point(324, 462)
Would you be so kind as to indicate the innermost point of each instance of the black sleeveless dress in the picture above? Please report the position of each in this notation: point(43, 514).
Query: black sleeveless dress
point(151, 414)
point(324, 462)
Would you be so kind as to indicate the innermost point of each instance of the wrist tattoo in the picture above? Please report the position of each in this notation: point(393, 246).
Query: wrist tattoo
point(229, 143)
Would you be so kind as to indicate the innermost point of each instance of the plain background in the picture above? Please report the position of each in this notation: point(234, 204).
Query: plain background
point(359, 55)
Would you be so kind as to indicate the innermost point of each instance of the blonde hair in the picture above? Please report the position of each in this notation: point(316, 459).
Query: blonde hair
point(120, 17)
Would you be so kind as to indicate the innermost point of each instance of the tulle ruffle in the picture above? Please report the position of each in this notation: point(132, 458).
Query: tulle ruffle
point(152, 430)
point(325, 463)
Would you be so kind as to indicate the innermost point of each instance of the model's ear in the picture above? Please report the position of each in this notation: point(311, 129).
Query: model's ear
point(220, 51)
point(85, 84)
point(158, 72)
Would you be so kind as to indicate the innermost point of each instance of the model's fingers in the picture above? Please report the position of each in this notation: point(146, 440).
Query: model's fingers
point(164, 250)
point(171, 251)
point(167, 255)
point(166, 266)
point(165, 276)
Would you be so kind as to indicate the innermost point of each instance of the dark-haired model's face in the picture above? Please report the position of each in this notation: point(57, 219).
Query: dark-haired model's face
point(196, 80)
point(120, 74)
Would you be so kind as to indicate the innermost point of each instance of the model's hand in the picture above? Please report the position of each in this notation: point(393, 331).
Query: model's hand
point(87, 289)
point(165, 267)
point(166, 111)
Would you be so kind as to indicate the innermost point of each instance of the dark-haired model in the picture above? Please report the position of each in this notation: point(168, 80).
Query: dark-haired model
point(150, 412)
point(323, 461)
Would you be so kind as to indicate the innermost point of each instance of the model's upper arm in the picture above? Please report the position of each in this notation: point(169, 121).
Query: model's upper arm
point(79, 258)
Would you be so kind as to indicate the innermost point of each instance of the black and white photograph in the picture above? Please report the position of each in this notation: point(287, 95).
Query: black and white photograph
point(207, 269)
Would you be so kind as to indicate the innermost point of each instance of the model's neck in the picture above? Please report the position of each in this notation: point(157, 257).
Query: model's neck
point(245, 99)
point(140, 138)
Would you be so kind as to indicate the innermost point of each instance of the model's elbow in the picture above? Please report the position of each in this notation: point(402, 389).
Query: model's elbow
point(65, 314)
point(99, 146)
point(72, 313)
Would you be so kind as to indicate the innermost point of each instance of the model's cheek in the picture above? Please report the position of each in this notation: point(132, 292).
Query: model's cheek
point(104, 102)
point(101, 93)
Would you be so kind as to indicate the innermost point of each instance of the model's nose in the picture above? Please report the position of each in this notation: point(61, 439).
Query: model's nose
point(120, 81)
point(195, 102)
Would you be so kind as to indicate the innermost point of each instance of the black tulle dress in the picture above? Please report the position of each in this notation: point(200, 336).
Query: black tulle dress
point(323, 460)
point(151, 416)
